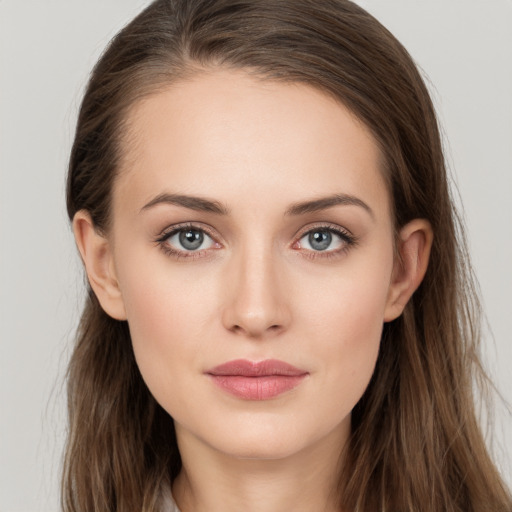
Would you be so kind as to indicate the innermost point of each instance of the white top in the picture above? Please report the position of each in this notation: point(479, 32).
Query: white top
point(168, 503)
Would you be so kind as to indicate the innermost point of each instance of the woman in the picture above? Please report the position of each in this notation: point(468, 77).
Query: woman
point(280, 316)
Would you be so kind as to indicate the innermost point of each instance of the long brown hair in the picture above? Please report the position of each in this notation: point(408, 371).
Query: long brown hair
point(416, 443)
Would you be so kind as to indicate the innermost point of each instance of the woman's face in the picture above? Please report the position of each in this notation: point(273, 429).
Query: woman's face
point(252, 243)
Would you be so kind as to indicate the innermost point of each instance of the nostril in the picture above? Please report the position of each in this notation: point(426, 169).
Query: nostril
point(238, 329)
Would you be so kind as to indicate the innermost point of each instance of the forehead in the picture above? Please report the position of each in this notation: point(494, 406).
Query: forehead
point(233, 136)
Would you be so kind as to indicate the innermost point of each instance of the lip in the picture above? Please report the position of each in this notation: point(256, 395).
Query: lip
point(261, 380)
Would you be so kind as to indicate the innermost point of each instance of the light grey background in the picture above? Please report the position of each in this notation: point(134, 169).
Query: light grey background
point(47, 48)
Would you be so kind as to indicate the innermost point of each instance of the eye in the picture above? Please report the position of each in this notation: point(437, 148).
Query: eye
point(325, 240)
point(186, 241)
point(190, 240)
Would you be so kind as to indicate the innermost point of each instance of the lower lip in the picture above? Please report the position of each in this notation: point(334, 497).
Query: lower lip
point(257, 388)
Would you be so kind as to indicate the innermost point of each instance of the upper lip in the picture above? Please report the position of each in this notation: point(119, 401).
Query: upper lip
point(244, 368)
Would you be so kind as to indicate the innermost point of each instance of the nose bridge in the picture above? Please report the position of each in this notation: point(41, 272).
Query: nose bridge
point(257, 304)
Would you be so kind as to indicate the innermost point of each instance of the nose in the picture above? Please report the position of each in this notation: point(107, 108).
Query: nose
point(257, 305)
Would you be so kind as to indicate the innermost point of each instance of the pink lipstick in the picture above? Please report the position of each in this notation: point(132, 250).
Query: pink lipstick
point(256, 381)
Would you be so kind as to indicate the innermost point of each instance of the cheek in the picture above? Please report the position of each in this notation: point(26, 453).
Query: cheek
point(350, 346)
point(345, 319)
point(168, 317)
point(348, 303)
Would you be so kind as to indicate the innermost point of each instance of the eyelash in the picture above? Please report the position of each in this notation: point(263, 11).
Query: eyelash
point(347, 238)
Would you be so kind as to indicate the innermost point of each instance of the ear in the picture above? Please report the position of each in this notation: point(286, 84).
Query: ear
point(415, 242)
point(96, 253)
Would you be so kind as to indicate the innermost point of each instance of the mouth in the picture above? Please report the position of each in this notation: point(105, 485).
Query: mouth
point(256, 381)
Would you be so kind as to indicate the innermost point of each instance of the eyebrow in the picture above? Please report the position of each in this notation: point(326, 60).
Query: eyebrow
point(323, 203)
point(207, 205)
point(191, 202)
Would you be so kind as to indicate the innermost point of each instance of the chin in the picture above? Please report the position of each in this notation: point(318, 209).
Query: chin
point(263, 449)
point(273, 438)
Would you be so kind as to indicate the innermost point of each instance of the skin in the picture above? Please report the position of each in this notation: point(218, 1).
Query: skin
point(256, 289)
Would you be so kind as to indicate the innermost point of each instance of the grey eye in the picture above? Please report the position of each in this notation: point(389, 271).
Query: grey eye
point(190, 240)
point(320, 240)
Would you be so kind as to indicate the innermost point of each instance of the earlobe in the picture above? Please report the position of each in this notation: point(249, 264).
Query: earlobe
point(96, 253)
point(415, 242)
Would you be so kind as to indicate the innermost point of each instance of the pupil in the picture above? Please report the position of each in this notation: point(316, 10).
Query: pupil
point(320, 240)
point(191, 239)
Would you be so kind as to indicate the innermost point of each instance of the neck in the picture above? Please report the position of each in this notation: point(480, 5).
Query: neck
point(212, 481)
